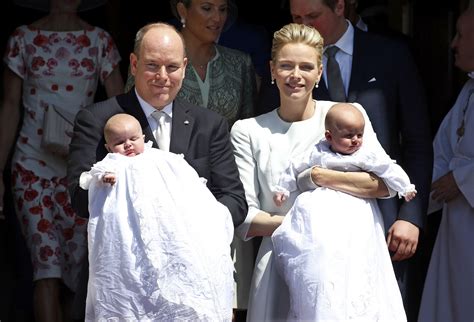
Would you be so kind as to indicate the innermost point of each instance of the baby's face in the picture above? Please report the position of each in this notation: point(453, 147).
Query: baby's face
point(347, 140)
point(129, 141)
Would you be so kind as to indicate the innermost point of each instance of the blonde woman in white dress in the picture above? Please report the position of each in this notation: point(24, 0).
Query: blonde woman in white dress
point(263, 146)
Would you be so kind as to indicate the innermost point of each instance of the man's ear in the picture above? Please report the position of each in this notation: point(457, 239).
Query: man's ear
point(339, 8)
point(133, 64)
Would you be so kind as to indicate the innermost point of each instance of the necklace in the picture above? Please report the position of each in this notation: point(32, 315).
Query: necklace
point(460, 130)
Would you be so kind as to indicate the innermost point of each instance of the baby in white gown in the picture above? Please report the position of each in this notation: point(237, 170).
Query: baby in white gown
point(331, 246)
point(159, 241)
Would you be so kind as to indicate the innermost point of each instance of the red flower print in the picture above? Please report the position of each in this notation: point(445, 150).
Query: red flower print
point(74, 63)
point(45, 183)
point(45, 252)
point(37, 62)
point(30, 49)
point(23, 139)
point(68, 233)
point(54, 87)
point(70, 38)
point(14, 51)
point(61, 198)
point(40, 40)
point(54, 39)
point(62, 53)
point(93, 51)
point(83, 41)
point(52, 63)
point(28, 177)
point(30, 194)
point(69, 88)
point(79, 221)
point(36, 210)
point(68, 211)
point(90, 93)
point(63, 181)
point(88, 64)
point(42, 163)
point(44, 225)
point(39, 131)
point(48, 202)
point(36, 239)
point(57, 251)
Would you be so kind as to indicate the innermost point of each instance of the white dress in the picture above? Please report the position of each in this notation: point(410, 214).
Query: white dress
point(330, 248)
point(159, 242)
point(448, 293)
point(61, 68)
point(263, 147)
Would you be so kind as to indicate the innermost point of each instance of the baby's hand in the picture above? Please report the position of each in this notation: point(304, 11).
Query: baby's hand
point(109, 178)
point(279, 198)
point(410, 195)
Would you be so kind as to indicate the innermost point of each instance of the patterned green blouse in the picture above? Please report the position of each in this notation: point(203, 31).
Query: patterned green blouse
point(232, 85)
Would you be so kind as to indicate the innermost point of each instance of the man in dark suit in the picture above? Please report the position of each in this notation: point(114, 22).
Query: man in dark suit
point(158, 64)
point(380, 74)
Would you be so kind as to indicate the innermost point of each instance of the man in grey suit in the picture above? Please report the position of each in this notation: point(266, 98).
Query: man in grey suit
point(380, 74)
point(158, 63)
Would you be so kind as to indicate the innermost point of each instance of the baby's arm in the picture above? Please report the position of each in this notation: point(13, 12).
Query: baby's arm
point(393, 174)
point(288, 179)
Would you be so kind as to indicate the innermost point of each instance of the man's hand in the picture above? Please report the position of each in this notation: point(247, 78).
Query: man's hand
point(402, 239)
point(445, 188)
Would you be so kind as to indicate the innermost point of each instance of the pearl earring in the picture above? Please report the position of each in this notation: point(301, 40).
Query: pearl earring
point(273, 81)
point(316, 85)
point(183, 22)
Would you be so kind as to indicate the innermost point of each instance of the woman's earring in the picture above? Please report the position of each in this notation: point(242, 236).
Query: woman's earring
point(183, 22)
point(316, 85)
point(273, 81)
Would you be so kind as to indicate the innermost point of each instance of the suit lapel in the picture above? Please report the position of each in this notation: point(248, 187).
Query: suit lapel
point(182, 125)
point(360, 65)
point(129, 103)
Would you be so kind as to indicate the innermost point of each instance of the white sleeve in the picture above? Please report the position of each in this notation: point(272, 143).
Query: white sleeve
point(248, 173)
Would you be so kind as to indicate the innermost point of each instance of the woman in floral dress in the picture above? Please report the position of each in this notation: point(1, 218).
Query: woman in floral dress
point(57, 60)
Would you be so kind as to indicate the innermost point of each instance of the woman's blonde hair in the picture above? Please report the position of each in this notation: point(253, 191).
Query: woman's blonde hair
point(295, 33)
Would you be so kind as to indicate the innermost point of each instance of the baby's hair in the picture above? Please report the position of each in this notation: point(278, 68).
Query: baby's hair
point(111, 124)
point(338, 111)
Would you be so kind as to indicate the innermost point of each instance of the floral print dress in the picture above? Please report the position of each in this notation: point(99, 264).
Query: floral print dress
point(63, 69)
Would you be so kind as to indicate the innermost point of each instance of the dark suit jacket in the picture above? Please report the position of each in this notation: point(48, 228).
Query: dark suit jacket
point(385, 81)
point(199, 134)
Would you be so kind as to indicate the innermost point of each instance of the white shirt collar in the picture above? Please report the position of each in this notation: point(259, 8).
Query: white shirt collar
point(148, 109)
point(346, 42)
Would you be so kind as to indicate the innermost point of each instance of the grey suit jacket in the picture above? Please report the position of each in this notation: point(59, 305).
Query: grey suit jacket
point(199, 134)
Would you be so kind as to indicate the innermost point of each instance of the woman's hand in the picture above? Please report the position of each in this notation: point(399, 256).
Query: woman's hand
point(264, 224)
